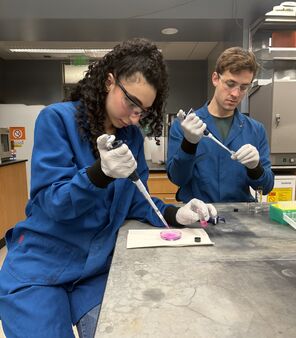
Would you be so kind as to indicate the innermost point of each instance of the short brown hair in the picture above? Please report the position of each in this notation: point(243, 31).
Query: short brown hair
point(235, 60)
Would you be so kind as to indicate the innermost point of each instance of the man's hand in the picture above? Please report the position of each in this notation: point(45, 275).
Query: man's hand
point(247, 155)
point(118, 162)
point(193, 127)
point(194, 211)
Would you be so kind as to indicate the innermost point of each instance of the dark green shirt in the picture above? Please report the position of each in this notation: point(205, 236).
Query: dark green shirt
point(223, 125)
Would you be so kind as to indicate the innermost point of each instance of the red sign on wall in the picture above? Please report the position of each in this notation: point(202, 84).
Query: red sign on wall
point(17, 133)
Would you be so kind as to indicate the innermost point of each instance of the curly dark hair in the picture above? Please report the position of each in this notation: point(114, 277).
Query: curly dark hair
point(126, 59)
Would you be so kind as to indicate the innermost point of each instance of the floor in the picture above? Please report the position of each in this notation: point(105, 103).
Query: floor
point(2, 256)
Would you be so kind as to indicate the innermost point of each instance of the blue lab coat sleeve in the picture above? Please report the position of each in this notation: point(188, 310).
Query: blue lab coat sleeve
point(60, 189)
point(180, 164)
point(266, 180)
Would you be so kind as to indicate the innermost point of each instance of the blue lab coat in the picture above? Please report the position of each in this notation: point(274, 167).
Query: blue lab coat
point(210, 174)
point(59, 256)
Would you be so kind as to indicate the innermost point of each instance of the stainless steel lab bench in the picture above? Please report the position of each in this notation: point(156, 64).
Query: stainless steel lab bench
point(243, 286)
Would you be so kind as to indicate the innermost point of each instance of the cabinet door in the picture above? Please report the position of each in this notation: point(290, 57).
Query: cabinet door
point(159, 183)
point(167, 198)
point(160, 186)
point(283, 136)
point(14, 195)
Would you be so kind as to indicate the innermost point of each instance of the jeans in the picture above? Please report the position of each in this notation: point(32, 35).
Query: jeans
point(86, 326)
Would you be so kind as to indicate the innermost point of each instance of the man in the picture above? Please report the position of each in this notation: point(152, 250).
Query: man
point(201, 168)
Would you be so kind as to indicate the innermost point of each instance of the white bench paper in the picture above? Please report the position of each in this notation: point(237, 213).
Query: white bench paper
point(143, 238)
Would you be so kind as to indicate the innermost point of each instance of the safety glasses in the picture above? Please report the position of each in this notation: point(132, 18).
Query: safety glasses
point(230, 85)
point(132, 105)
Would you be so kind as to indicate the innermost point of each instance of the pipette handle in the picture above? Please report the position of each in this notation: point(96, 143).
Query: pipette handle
point(134, 176)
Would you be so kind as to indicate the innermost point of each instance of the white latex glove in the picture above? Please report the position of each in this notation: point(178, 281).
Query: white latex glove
point(247, 155)
point(193, 127)
point(118, 162)
point(194, 211)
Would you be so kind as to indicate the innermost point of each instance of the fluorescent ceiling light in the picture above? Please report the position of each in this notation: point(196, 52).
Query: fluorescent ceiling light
point(280, 19)
point(284, 49)
point(47, 50)
point(95, 52)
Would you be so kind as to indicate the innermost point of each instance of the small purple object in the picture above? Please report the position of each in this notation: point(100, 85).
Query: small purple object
point(216, 220)
point(171, 235)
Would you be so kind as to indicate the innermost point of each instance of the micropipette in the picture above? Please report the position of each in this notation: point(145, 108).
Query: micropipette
point(208, 134)
point(212, 137)
point(134, 177)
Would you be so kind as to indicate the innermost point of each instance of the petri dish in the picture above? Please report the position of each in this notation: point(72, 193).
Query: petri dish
point(170, 235)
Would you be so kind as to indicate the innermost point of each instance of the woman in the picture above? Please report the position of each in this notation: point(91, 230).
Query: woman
point(58, 259)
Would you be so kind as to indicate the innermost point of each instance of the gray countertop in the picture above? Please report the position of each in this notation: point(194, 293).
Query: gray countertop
point(243, 286)
point(156, 167)
point(10, 162)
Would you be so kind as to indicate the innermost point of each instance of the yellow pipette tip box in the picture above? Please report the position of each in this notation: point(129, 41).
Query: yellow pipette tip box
point(277, 210)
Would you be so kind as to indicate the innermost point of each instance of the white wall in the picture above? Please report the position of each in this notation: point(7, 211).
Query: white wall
point(20, 115)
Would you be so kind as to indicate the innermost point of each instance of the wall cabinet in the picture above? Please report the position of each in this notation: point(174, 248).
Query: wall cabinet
point(160, 186)
point(13, 196)
point(272, 98)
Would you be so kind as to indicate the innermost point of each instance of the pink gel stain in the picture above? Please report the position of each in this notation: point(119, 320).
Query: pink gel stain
point(170, 235)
